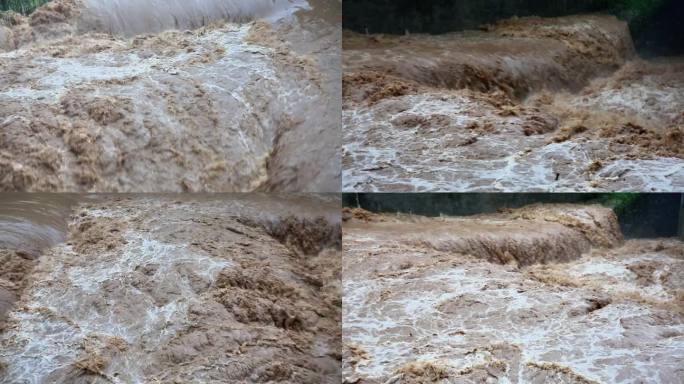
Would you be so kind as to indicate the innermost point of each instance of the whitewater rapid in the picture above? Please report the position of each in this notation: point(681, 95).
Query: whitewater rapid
point(528, 104)
point(218, 288)
point(219, 100)
point(515, 297)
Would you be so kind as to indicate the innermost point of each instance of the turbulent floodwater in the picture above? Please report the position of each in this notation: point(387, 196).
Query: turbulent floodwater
point(201, 288)
point(28, 225)
point(169, 95)
point(527, 105)
point(545, 293)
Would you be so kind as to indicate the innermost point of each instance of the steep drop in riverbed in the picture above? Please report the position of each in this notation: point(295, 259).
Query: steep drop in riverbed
point(210, 95)
point(209, 289)
point(526, 104)
point(541, 294)
point(28, 225)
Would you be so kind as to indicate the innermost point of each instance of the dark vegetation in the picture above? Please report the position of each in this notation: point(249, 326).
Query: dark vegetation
point(641, 215)
point(655, 24)
point(21, 6)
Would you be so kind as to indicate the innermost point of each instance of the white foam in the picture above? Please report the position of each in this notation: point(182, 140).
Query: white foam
point(57, 319)
point(547, 324)
point(415, 159)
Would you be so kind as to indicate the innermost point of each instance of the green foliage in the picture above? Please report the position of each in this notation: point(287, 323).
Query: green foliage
point(439, 16)
point(638, 7)
point(655, 24)
point(619, 202)
point(21, 6)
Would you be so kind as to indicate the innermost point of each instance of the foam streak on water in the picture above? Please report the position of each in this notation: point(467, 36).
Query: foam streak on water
point(383, 153)
point(528, 105)
point(208, 96)
point(132, 292)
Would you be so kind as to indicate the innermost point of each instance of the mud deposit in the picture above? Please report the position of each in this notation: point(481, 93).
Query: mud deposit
point(201, 289)
point(543, 294)
point(171, 96)
point(527, 104)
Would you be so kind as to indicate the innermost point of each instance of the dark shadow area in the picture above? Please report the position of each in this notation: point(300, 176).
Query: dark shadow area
point(652, 215)
point(645, 215)
point(655, 24)
point(660, 33)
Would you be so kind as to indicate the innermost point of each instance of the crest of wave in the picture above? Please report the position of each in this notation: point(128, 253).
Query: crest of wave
point(131, 17)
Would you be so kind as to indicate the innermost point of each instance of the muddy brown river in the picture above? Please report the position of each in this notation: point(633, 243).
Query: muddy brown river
point(540, 294)
point(169, 96)
point(527, 104)
point(170, 288)
point(32, 222)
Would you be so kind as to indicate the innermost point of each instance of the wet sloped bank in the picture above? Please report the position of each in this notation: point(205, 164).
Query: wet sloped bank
point(416, 313)
point(214, 106)
point(532, 104)
point(184, 289)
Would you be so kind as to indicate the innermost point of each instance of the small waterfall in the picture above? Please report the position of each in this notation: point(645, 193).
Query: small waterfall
point(31, 223)
point(131, 17)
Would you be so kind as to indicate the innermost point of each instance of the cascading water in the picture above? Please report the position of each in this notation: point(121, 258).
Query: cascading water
point(131, 17)
point(528, 104)
point(171, 96)
point(182, 288)
point(31, 223)
point(422, 305)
